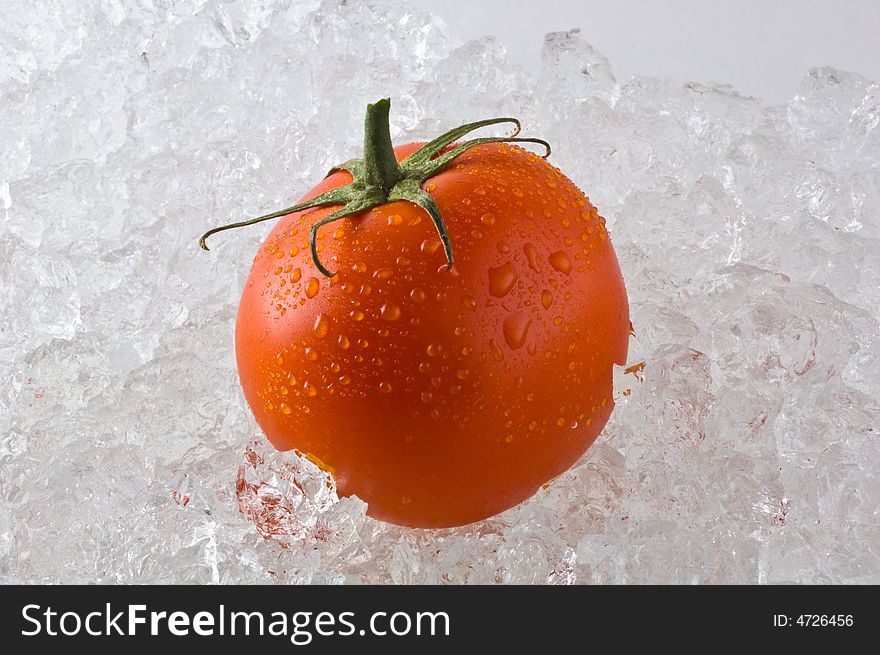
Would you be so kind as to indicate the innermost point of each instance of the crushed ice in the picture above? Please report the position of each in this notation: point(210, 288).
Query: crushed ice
point(746, 450)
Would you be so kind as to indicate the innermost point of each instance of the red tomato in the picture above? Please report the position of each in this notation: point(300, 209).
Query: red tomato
point(440, 397)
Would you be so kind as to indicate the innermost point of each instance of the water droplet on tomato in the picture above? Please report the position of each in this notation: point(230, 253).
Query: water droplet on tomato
point(383, 273)
point(516, 329)
point(309, 389)
point(427, 397)
point(322, 326)
point(487, 219)
point(434, 350)
point(417, 295)
point(395, 219)
point(285, 408)
point(468, 302)
point(502, 279)
point(531, 255)
point(462, 374)
point(451, 272)
point(384, 387)
point(546, 299)
point(312, 287)
point(430, 246)
point(497, 355)
point(356, 315)
point(560, 261)
point(389, 311)
point(343, 342)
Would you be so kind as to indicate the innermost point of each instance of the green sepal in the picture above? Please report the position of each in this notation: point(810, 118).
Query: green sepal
point(378, 177)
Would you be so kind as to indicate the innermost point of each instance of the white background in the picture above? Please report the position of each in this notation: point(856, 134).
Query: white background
point(762, 48)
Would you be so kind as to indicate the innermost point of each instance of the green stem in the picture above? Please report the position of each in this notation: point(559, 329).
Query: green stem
point(380, 162)
point(378, 178)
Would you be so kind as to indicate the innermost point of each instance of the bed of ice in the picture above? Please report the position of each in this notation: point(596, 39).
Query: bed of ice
point(746, 452)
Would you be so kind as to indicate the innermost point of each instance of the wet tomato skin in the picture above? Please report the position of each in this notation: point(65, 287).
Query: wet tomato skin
point(439, 397)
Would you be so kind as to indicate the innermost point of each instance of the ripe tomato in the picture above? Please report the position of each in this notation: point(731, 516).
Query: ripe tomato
point(440, 397)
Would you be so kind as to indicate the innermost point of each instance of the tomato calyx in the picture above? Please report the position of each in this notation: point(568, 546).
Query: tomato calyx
point(378, 177)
